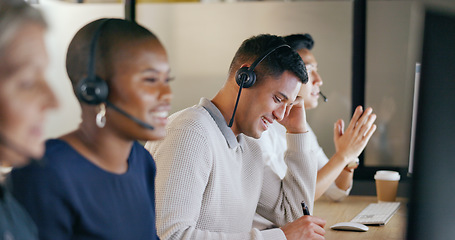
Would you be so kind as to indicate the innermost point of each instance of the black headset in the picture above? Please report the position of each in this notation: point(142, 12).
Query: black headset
point(246, 77)
point(94, 90)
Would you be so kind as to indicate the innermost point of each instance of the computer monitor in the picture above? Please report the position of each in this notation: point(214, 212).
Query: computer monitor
point(431, 212)
point(414, 117)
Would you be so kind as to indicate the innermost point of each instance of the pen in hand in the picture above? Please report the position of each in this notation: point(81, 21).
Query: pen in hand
point(305, 209)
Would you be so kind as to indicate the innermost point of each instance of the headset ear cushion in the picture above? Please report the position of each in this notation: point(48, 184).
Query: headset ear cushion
point(248, 77)
point(92, 91)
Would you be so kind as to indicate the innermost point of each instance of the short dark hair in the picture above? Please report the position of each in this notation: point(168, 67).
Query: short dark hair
point(115, 34)
point(300, 41)
point(280, 60)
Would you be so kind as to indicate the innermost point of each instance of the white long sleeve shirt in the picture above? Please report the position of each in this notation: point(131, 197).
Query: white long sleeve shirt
point(210, 183)
point(274, 145)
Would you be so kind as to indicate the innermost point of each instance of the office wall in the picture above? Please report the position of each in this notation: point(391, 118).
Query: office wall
point(201, 40)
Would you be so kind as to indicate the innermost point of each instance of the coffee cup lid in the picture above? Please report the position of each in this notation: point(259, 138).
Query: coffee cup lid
point(387, 175)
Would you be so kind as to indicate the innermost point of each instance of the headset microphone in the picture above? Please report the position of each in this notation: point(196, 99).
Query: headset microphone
point(94, 90)
point(245, 77)
point(236, 103)
point(134, 119)
point(323, 96)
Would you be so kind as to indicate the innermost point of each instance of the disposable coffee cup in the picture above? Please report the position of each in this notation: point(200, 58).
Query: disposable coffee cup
point(386, 185)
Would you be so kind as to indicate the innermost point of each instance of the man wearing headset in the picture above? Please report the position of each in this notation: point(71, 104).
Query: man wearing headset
point(211, 178)
point(335, 175)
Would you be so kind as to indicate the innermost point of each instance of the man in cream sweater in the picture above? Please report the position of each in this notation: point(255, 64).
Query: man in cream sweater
point(211, 178)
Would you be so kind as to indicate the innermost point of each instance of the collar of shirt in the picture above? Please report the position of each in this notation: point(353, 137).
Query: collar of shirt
point(231, 140)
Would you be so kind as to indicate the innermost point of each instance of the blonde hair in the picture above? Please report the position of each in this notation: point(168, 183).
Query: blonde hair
point(13, 15)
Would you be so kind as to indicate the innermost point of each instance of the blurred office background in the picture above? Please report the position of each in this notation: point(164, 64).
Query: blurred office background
point(201, 38)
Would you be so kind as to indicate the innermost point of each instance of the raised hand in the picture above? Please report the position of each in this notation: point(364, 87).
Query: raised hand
point(350, 143)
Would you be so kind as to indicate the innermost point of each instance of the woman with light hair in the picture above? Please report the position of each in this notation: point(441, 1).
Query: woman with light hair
point(25, 97)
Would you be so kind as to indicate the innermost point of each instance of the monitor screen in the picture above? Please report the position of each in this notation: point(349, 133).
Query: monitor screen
point(431, 212)
point(414, 117)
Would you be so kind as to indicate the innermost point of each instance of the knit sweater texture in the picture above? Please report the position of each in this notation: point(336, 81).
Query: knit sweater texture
point(210, 183)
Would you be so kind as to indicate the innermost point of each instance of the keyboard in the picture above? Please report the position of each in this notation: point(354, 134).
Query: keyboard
point(377, 213)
